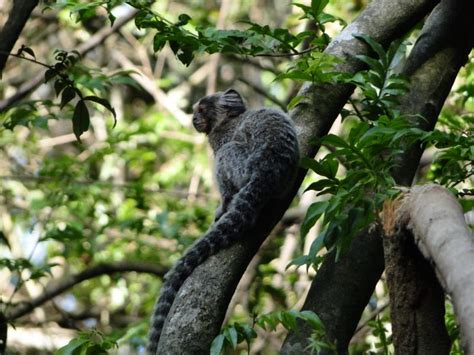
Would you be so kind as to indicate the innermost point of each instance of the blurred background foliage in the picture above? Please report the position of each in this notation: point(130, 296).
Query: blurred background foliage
point(141, 192)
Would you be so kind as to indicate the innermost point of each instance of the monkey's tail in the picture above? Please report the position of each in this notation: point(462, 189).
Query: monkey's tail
point(239, 217)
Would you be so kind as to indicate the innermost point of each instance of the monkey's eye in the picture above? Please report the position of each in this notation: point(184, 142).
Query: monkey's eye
point(200, 109)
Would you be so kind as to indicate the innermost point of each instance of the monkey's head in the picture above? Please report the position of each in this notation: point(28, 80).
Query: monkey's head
point(210, 111)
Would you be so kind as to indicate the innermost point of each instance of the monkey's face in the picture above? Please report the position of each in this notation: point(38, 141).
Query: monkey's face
point(204, 114)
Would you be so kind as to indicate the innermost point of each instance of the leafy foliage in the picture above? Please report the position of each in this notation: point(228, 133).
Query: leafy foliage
point(454, 161)
point(64, 86)
point(382, 334)
point(381, 86)
point(234, 334)
point(256, 40)
point(368, 154)
point(88, 343)
point(453, 330)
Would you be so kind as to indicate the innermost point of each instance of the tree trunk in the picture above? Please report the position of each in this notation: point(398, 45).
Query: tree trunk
point(435, 219)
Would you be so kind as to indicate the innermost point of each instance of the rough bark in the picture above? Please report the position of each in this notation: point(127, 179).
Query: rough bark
point(416, 299)
point(435, 219)
point(19, 14)
point(384, 21)
point(432, 67)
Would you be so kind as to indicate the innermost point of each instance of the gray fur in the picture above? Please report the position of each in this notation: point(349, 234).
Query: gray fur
point(256, 158)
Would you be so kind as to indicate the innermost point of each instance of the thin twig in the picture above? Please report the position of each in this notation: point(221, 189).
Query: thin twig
point(374, 315)
point(264, 93)
point(63, 285)
point(276, 55)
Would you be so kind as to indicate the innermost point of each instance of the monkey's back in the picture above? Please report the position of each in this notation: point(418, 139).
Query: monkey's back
point(273, 145)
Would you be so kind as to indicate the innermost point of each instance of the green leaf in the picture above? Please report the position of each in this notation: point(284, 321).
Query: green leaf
point(300, 261)
point(335, 141)
point(29, 51)
point(68, 94)
point(288, 320)
point(295, 101)
point(312, 318)
point(317, 244)
point(59, 85)
point(217, 345)
point(104, 103)
point(320, 185)
point(72, 346)
point(80, 119)
point(311, 164)
point(373, 64)
point(183, 19)
point(159, 42)
point(248, 332)
point(330, 166)
point(312, 215)
point(317, 6)
point(49, 74)
point(231, 335)
point(376, 47)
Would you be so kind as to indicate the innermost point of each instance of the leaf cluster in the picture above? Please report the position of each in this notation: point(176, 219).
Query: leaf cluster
point(234, 334)
point(90, 342)
point(381, 86)
point(71, 80)
point(368, 155)
point(454, 161)
point(256, 40)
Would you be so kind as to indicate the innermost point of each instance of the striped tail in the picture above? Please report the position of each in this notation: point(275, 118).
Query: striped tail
point(240, 216)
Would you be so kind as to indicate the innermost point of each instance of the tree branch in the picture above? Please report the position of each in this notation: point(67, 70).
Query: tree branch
point(264, 92)
point(19, 14)
point(199, 309)
point(56, 288)
point(435, 218)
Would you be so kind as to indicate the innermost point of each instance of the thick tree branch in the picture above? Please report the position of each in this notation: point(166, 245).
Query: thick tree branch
point(431, 78)
point(97, 39)
point(435, 219)
point(200, 307)
point(19, 14)
point(56, 288)
point(416, 299)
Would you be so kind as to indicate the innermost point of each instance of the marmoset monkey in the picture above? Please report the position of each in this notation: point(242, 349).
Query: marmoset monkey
point(256, 158)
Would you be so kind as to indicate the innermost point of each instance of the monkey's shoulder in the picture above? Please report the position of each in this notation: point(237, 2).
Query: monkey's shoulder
point(265, 119)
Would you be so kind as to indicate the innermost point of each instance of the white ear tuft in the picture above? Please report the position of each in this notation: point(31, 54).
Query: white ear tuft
point(231, 102)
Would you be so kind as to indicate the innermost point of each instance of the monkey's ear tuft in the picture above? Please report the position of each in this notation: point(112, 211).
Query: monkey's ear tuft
point(232, 103)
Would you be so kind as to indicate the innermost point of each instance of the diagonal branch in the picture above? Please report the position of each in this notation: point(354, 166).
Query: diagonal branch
point(435, 218)
point(54, 289)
